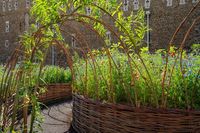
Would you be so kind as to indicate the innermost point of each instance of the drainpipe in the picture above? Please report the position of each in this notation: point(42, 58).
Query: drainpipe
point(53, 55)
point(148, 26)
point(53, 49)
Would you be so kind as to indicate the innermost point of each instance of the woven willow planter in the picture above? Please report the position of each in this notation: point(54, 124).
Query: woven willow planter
point(95, 117)
point(56, 92)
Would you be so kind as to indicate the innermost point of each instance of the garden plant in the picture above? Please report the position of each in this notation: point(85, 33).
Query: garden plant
point(122, 71)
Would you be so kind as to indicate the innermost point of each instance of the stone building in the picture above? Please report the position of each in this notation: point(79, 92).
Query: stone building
point(162, 17)
point(14, 20)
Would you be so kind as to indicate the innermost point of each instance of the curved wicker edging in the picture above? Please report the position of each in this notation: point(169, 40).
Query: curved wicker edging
point(96, 117)
point(56, 91)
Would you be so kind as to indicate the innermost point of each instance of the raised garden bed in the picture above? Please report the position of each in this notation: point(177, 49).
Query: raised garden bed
point(90, 116)
point(57, 91)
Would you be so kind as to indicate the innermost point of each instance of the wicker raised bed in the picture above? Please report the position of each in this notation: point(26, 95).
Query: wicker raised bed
point(56, 92)
point(96, 117)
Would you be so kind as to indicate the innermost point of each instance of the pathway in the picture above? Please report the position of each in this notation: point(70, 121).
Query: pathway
point(57, 118)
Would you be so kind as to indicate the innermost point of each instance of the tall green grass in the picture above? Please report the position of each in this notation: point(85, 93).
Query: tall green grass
point(123, 84)
point(49, 74)
point(56, 74)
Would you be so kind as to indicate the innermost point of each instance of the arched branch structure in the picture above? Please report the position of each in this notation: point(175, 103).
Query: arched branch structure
point(35, 45)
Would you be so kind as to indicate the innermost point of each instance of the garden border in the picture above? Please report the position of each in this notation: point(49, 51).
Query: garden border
point(91, 116)
point(56, 92)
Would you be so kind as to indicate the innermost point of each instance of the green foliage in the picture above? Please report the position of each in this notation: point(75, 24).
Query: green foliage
point(24, 79)
point(122, 71)
point(127, 86)
point(55, 74)
point(119, 73)
point(49, 74)
point(196, 49)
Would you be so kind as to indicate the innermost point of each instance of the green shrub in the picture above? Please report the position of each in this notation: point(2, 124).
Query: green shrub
point(105, 82)
point(50, 74)
point(55, 74)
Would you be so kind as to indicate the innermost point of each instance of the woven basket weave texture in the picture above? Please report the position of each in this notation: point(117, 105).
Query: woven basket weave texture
point(96, 117)
point(56, 92)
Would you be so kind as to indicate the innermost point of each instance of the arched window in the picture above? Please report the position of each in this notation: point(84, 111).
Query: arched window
point(147, 4)
point(125, 3)
point(73, 40)
point(7, 43)
point(7, 27)
point(28, 3)
point(182, 2)
point(195, 1)
point(108, 37)
point(169, 2)
point(135, 4)
point(3, 5)
point(88, 11)
point(9, 5)
point(16, 4)
point(37, 25)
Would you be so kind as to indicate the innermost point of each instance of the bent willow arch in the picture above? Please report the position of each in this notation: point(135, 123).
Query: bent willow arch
point(66, 22)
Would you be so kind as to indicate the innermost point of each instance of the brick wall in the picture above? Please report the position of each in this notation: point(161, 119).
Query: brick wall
point(165, 19)
point(163, 22)
point(13, 12)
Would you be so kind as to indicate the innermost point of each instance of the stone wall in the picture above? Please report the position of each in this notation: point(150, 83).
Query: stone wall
point(164, 18)
point(12, 19)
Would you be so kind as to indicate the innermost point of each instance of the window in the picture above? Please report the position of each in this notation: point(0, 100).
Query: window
point(28, 3)
point(135, 5)
point(7, 28)
point(147, 4)
point(169, 3)
point(182, 2)
point(9, 5)
point(88, 11)
point(20, 27)
point(71, 9)
point(4, 6)
point(16, 4)
point(73, 40)
point(195, 1)
point(125, 7)
point(108, 37)
point(6, 43)
point(26, 17)
point(37, 25)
